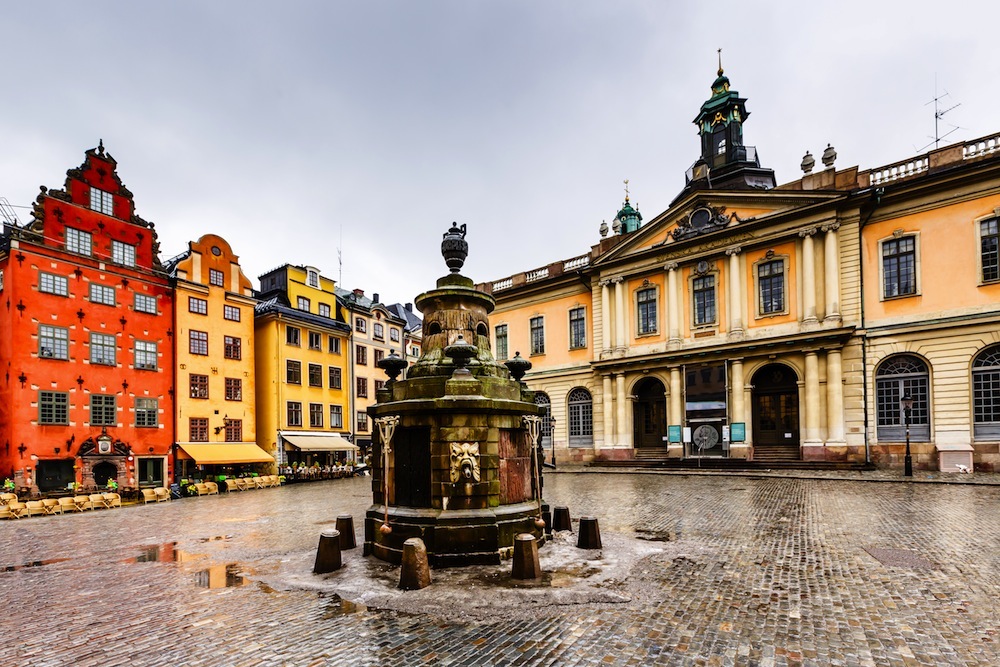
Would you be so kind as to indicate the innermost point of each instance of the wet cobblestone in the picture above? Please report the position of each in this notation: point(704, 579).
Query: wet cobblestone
point(744, 570)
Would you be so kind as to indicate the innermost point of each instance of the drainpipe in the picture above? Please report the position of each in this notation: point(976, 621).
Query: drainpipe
point(876, 199)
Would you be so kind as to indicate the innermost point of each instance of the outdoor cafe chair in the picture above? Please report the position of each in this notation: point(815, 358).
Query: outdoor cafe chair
point(51, 506)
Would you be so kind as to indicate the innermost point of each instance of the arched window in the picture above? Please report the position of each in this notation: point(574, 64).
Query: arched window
point(581, 418)
point(986, 394)
point(542, 399)
point(897, 376)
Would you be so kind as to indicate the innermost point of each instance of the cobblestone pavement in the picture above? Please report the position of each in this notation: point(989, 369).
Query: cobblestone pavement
point(729, 570)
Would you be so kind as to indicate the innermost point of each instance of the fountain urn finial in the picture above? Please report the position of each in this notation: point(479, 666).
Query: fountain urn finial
point(392, 365)
point(455, 248)
point(517, 366)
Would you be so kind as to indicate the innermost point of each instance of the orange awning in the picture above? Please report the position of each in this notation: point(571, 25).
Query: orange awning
point(228, 452)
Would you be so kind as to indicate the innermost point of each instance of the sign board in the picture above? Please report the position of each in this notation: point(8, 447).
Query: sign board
point(725, 433)
point(687, 434)
point(738, 432)
point(674, 433)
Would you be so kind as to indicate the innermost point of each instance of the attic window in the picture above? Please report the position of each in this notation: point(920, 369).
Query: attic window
point(312, 278)
point(101, 201)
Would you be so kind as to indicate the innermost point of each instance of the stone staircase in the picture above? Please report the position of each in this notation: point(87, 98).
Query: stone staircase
point(776, 453)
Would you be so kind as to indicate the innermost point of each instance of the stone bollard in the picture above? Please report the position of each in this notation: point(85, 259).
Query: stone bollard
point(526, 564)
point(415, 572)
point(328, 552)
point(547, 518)
point(345, 524)
point(560, 520)
point(590, 533)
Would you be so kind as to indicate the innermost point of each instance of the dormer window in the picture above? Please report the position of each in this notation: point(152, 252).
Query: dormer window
point(312, 278)
point(101, 201)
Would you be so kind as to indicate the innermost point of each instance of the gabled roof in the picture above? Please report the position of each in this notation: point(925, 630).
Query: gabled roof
point(275, 305)
point(413, 321)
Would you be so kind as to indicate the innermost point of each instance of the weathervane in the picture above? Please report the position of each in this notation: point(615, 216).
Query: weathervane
point(626, 189)
point(720, 62)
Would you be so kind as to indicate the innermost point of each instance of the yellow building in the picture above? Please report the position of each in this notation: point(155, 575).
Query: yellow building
point(776, 323)
point(303, 377)
point(216, 418)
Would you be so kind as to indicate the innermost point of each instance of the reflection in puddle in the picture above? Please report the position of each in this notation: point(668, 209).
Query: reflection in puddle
point(220, 576)
point(656, 536)
point(338, 606)
point(163, 553)
point(34, 563)
point(216, 538)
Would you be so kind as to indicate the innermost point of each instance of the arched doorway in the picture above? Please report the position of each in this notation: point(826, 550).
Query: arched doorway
point(104, 471)
point(775, 414)
point(650, 416)
point(545, 437)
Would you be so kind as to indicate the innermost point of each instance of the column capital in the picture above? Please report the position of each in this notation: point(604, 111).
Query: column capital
point(671, 266)
point(830, 227)
point(734, 250)
point(803, 233)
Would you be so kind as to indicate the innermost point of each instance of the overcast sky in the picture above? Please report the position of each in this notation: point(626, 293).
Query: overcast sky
point(294, 129)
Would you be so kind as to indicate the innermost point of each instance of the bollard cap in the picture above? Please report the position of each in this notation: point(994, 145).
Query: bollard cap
point(331, 533)
point(524, 537)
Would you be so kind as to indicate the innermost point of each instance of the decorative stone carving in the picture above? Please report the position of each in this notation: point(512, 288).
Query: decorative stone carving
point(702, 220)
point(830, 227)
point(807, 232)
point(464, 462)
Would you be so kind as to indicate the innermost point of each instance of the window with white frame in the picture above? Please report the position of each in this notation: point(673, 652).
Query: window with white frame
point(102, 294)
point(293, 371)
point(336, 416)
point(79, 241)
point(53, 407)
point(899, 267)
point(393, 334)
point(323, 309)
point(771, 287)
point(899, 375)
point(537, 326)
point(989, 248)
point(147, 412)
point(645, 305)
point(703, 302)
point(294, 413)
point(53, 284)
point(145, 355)
point(315, 375)
point(53, 342)
point(986, 394)
point(293, 336)
point(145, 303)
point(216, 278)
point(335, 377)
point(315, 340)
point(360, 355)
point(102, 349)
point(378, 331)
point(362, 387)
point(102, 202)
point(312, 278)
point(501, 334)
point(362, 418)
point(122, 253)
point(302, 303)
point(333, 345)
point(360, 325)
point(315, 415)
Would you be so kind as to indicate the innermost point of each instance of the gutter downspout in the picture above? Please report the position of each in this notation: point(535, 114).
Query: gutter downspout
point(876, 197)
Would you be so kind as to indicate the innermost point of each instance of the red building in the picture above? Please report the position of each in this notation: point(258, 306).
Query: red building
point(85, 339)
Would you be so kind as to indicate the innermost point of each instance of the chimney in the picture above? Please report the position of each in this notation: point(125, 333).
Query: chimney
point(359, 292)
point(409, 307)
point(375, 298)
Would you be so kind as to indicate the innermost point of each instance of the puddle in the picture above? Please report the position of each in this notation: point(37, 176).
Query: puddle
point(163, 553)
point(338, 606)
point(220, 576)
point(34, 563)
point(215, 539)
point(656, 536)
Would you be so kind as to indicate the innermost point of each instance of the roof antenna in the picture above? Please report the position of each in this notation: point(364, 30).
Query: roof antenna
point(938, 115)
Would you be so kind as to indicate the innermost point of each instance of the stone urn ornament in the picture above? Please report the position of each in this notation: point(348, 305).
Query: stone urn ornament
point(455, 248)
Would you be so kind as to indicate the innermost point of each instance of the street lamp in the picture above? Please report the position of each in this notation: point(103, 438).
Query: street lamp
point(906, 401)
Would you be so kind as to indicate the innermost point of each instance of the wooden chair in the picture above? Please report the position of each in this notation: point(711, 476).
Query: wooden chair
point(97, 501)
point(83, 503)
point(17, 509)
point(67, 504)
point(34, 507)
point(51, 506)
point(112, 500)
point(148, 496)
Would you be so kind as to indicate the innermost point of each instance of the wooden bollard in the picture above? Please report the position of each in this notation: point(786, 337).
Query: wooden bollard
point(526, 564)
point(328, 553)
point(560, 520)
point(590, 533)
point(345, 524)
point(415, 572)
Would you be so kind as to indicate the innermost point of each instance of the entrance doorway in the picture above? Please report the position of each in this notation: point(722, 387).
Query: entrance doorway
point(104, 471)
point(649, 416)
point(775, 414)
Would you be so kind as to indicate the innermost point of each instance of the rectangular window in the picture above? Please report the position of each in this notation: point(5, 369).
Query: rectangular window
point(771, 286)
point(145, 304)
point(361, 355)
point(334, 377)
point(216, 277)
point(577, 328)
point(312, 278)
point(292, 336)
point(302, 303)
point(231, 313)
point(501, 331)
point(293, 372)
point(78, 241)
point(53, 342)
point(646, 311)
point(122, 253)
point(989, 242)
point(379, 356)
point(378, 331)
point(233, 348)
point(336, 416)
point(538, 335)
point(333, 345)
point(52, 284)
point(198, 429)
point(704, 300)
point(379, 385)
point(199, 386)
point(197, 306)
point(394, 334)
point(198, 342)
point(145, 355)
point(363, 422)
point(234, 389)
point(315, 415)
point(103, 410)
point(315, 341)
point(899, 267)
point(53, 407)
point(324, 310)
point(102, 349)
point(362, 387)
point(294, 413)
point(234, 430)
point(102, 294)
point(146, 412)
point(360, 325)
point(101, 201)
point(315, 375)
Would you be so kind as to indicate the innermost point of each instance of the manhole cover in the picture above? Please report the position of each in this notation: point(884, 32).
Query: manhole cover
point(899, 558)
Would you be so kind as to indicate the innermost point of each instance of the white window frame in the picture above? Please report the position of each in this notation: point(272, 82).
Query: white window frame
point(102, 201)
point(58, 338)
point(77, 239)
point(145, 355)
point(122, 253)
point(101, 343)
point(714, 275)
point(784, 259)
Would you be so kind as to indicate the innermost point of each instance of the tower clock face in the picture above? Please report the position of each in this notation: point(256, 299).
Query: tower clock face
point(700, 218)
point(705, 437)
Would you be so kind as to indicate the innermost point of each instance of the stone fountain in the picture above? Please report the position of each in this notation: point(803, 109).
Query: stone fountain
point(456, 441)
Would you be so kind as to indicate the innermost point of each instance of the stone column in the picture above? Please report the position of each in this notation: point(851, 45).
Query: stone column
point(605, 316)
point(735, 299)
point(623, 439)
point(834, 399)
point(736, 407)
point(673, 307)
point(808, 276)
point(675, 414)
point(812, 420)
point(619, 313)
point(831, 284)
point(607, 401)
